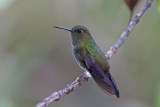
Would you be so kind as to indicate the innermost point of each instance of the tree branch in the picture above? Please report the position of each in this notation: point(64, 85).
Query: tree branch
point(55, 96)
point(128, 30)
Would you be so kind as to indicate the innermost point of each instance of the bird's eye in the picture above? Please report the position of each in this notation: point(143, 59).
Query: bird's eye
point(79, 31)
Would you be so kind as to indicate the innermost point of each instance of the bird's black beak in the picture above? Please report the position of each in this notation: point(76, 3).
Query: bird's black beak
point(63, 28)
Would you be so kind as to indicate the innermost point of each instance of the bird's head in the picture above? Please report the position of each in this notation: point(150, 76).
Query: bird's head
point(78, 31)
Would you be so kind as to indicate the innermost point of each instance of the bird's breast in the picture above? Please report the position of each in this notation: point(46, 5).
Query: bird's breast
point(76, 51)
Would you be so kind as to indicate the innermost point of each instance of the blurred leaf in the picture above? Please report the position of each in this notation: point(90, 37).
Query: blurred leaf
point(157, 100)
point(131, 5)
point(159, 6)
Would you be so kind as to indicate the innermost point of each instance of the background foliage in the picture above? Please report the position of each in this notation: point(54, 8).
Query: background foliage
point(36, 59)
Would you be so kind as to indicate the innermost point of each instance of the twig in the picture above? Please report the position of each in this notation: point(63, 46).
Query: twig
point(55, 96)
point(128, 30)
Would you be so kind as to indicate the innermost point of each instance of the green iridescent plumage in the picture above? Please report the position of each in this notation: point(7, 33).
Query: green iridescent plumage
point(90, 57)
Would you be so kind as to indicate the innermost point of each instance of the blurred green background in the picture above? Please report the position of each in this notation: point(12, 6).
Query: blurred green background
point(36, 59)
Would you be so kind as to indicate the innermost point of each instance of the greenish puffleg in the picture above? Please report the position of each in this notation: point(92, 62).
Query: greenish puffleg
point(90, 57)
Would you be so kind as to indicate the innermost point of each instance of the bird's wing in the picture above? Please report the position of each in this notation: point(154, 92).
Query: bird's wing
point(103, 79)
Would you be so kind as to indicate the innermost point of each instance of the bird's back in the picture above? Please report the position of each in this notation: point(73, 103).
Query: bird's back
point(95, 53)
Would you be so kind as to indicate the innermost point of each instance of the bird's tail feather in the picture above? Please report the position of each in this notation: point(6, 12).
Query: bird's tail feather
point(106, 83)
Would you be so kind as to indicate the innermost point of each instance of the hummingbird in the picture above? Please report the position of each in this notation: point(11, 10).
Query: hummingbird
point(90, 57)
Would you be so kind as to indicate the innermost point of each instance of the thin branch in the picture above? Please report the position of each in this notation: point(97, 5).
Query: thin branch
point(55, 96)
point(128, 30)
